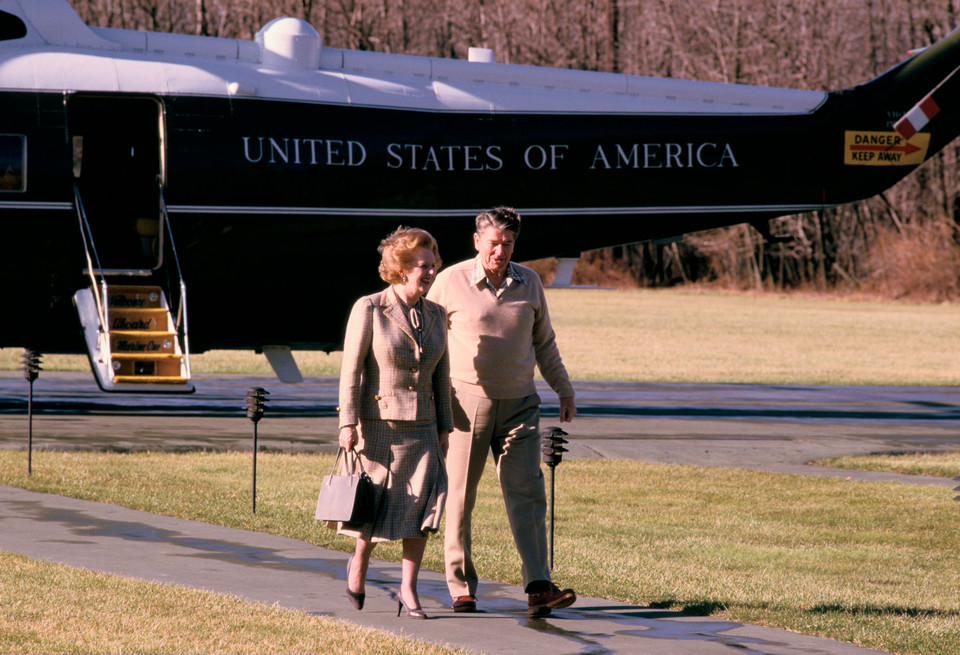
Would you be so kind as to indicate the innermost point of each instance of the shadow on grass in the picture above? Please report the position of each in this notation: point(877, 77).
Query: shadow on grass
point(887, 610)
point(710, 607)
point(179, 449)
point(692, 608)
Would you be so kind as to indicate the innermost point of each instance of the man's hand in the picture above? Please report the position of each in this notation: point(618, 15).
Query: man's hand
point(568, 409)
point(444, 437)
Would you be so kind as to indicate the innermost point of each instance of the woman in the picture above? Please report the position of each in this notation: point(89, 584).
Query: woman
point(395, 408)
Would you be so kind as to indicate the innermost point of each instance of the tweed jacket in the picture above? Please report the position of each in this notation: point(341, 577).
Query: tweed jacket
point(385, 375)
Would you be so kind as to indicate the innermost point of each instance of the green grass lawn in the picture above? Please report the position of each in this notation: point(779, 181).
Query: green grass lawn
point(873, 564)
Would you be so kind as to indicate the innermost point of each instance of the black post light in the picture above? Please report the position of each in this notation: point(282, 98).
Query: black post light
point(30, 361)
point(256, 402)
point(551, 447)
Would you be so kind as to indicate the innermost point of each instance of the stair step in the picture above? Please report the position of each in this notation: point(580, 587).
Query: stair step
point(125, 296)
point(142, 343)
point(148, 357)
point(143, 379)
point(125, 320)
point(146, 367)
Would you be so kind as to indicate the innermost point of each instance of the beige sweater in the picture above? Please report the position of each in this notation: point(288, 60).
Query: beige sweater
point(496, 340)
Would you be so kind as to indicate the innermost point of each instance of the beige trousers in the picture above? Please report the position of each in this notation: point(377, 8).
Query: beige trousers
point(509, 430)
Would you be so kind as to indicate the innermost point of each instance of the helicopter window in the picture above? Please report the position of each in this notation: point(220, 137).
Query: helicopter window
point(11, 27)
point(13, 162)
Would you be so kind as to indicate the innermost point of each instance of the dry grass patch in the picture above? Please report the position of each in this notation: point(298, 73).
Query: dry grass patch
point(51, 608)
point(708, 336)
point(694, 335)
point(938, 465)
point(311, 362)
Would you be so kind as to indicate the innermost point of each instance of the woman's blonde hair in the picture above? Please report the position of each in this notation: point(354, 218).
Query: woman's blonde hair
point(397, 250)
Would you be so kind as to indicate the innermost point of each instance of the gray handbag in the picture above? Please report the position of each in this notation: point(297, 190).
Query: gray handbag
point(350, 497)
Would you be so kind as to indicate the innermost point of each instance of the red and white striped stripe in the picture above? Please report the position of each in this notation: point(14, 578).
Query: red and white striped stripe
point(918, 117)
point(915, 119)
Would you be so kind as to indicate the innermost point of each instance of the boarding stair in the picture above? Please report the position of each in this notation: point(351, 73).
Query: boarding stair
point(134, 318)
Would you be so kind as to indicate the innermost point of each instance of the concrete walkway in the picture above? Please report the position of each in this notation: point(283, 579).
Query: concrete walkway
point(300, 576)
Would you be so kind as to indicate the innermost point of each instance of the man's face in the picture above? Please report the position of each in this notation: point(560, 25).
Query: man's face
point(495, 247)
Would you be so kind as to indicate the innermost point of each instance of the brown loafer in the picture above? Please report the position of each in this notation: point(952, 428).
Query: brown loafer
point(464, 604)
point(542, 603)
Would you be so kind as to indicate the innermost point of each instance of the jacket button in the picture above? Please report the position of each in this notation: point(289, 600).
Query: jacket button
point(376, 397)
point(412, 388)
point(413, 370)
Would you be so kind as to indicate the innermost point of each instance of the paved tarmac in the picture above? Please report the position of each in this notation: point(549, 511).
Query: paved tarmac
point(776, 429)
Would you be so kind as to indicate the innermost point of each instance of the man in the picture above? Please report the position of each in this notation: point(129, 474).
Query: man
point(499, 329)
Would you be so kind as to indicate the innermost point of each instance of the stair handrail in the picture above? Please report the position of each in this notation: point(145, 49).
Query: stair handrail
point(90, 247)
point(181, 322)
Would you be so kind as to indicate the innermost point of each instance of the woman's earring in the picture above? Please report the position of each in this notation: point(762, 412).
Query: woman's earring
point(403, 277)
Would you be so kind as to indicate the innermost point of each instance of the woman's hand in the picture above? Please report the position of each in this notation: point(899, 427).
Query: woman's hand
point(349, 437)
point(444, 438)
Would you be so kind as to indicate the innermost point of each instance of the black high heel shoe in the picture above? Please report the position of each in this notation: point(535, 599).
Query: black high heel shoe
point(356, 599)
point(411, 613)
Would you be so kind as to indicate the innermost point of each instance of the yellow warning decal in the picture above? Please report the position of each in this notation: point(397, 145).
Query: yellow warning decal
point(884, 149)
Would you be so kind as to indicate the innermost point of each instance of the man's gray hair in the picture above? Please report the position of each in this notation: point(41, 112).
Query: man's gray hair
point(502, 218)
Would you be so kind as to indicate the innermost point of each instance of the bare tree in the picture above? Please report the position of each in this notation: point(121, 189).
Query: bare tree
point(612, 59)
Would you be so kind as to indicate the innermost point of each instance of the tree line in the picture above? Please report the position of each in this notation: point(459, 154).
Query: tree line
point(901, 243)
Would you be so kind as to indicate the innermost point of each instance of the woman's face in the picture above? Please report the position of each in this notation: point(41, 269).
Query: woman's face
point(421, 271)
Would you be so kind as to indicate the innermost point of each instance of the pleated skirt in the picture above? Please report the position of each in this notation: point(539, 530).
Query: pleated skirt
point(404, 461)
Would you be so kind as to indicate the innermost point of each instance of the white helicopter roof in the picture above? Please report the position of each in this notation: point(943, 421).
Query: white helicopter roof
point(287, 61)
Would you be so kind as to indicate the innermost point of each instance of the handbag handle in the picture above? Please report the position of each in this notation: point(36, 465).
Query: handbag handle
point(336, 462)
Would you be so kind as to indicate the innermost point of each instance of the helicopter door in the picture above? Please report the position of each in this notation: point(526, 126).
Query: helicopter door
point(117, 164)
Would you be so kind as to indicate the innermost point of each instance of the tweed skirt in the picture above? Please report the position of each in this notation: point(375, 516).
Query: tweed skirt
point(404, 461)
